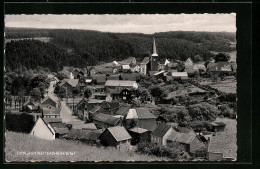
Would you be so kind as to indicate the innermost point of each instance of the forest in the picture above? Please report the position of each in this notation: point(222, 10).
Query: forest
point(80, 48)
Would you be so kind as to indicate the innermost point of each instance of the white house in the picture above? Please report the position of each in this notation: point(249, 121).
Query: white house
point(161, 133)
point(115, 84)
point(41, 130)
point(135, 68)
point(49, 128)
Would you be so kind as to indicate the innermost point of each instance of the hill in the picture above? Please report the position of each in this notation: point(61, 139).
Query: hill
point(19, 142)
point(84, 47)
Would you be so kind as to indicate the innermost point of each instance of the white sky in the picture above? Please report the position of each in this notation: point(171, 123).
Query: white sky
point(128, 23)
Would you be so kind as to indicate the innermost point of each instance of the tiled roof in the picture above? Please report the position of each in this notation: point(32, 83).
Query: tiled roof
point(113, 77)
point(161, 130)
point(72, 82)
point(123, 110)
point(144, 113)
point(105, 118)
point(181, 137)
point(90, 126)
point(95, 109)
point(151, 73)
point(138, 130)
point(145, 60)
point(99, 78)
point(140, 113)
point(78, 134)
point(119, 133)
point(60, 128)
point(130, 76)
point(125, 67)
point(179, 74)
point(123, 83)
point(48, 109)
point(48, 97)
point(52, 120)
point(32, 102)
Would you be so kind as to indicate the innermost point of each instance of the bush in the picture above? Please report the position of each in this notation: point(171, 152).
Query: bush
point(174, 151)
point(202, 112)
point(201, 152)
point(226, 112)
point(19, 122)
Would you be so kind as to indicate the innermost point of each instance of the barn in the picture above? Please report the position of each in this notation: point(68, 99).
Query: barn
point(117, 137)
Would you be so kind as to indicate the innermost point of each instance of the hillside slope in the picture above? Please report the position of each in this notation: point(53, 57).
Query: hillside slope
point(18, 142)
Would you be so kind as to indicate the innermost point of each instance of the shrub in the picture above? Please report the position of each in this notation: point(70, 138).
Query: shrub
point(19, 122)
point(174, 151)
point(201, 152)
point(202, 112)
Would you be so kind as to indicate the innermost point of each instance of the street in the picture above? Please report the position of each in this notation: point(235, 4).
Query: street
point(66, 112)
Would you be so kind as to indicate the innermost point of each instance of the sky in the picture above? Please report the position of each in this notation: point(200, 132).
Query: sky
point(143, 23)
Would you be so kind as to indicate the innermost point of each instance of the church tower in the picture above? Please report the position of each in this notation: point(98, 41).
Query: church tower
point(154, 58)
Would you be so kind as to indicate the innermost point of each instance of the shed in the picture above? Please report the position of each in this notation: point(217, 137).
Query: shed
point(117, 137)
point(139, 135)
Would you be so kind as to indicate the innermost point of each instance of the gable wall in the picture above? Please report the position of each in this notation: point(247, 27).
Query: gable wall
point(40, 130)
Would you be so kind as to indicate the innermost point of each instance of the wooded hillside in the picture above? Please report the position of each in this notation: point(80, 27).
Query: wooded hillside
point(80, 48)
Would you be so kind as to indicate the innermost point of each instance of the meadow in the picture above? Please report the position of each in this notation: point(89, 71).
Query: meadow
point(20, 147)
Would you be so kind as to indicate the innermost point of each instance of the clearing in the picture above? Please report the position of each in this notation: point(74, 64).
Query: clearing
point(19, 142)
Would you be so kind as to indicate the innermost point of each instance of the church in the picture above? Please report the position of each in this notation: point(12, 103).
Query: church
point(150, 63)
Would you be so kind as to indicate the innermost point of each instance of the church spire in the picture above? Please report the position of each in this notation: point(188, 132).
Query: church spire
point(154, 48)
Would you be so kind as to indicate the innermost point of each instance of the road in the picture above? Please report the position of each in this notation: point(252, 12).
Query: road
point(66, 112)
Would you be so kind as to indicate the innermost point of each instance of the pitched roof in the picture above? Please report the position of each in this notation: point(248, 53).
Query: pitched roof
point(60, 128)
point(123, 110)
point(123, 83)
point(151, 73)
point(179, 74)
point(52, 120)
point(200, 66)
point(181, 137)
point(99, 78)
point(79, 134)
point(95, 109)
point(72, 82)
point(161, 130)
point(145, 60)
point(48, 97)
point(144, 113)
point(119, 133)
point(125, 66)
point(113, 77)
point(138, 130)
point(130, 76)
point(90, 126)
point(105, 118)
point(32, 102)
point(48, 109)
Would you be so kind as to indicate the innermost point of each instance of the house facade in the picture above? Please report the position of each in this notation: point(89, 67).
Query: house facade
point(161, 133)
point(116, 137)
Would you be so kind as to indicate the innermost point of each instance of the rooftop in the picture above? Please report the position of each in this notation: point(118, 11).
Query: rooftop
point(119, 133)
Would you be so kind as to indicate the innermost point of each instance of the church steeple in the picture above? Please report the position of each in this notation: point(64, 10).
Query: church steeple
point(154, 58)
point(154, 48)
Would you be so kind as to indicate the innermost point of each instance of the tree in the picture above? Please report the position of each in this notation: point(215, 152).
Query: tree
point(87, 93)
point(156, 91)
point(222, 57)
point(62, 92)
point(202, 111)
point(197, 58)
point(36, 93)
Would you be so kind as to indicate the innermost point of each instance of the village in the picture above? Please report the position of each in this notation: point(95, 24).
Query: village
point(127, 105)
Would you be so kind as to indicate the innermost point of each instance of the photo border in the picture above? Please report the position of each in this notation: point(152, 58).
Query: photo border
point(244, 55)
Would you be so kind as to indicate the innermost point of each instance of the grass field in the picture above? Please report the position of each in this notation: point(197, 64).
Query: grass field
point(229, 85)
point(226, 141)
point(18, 142)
